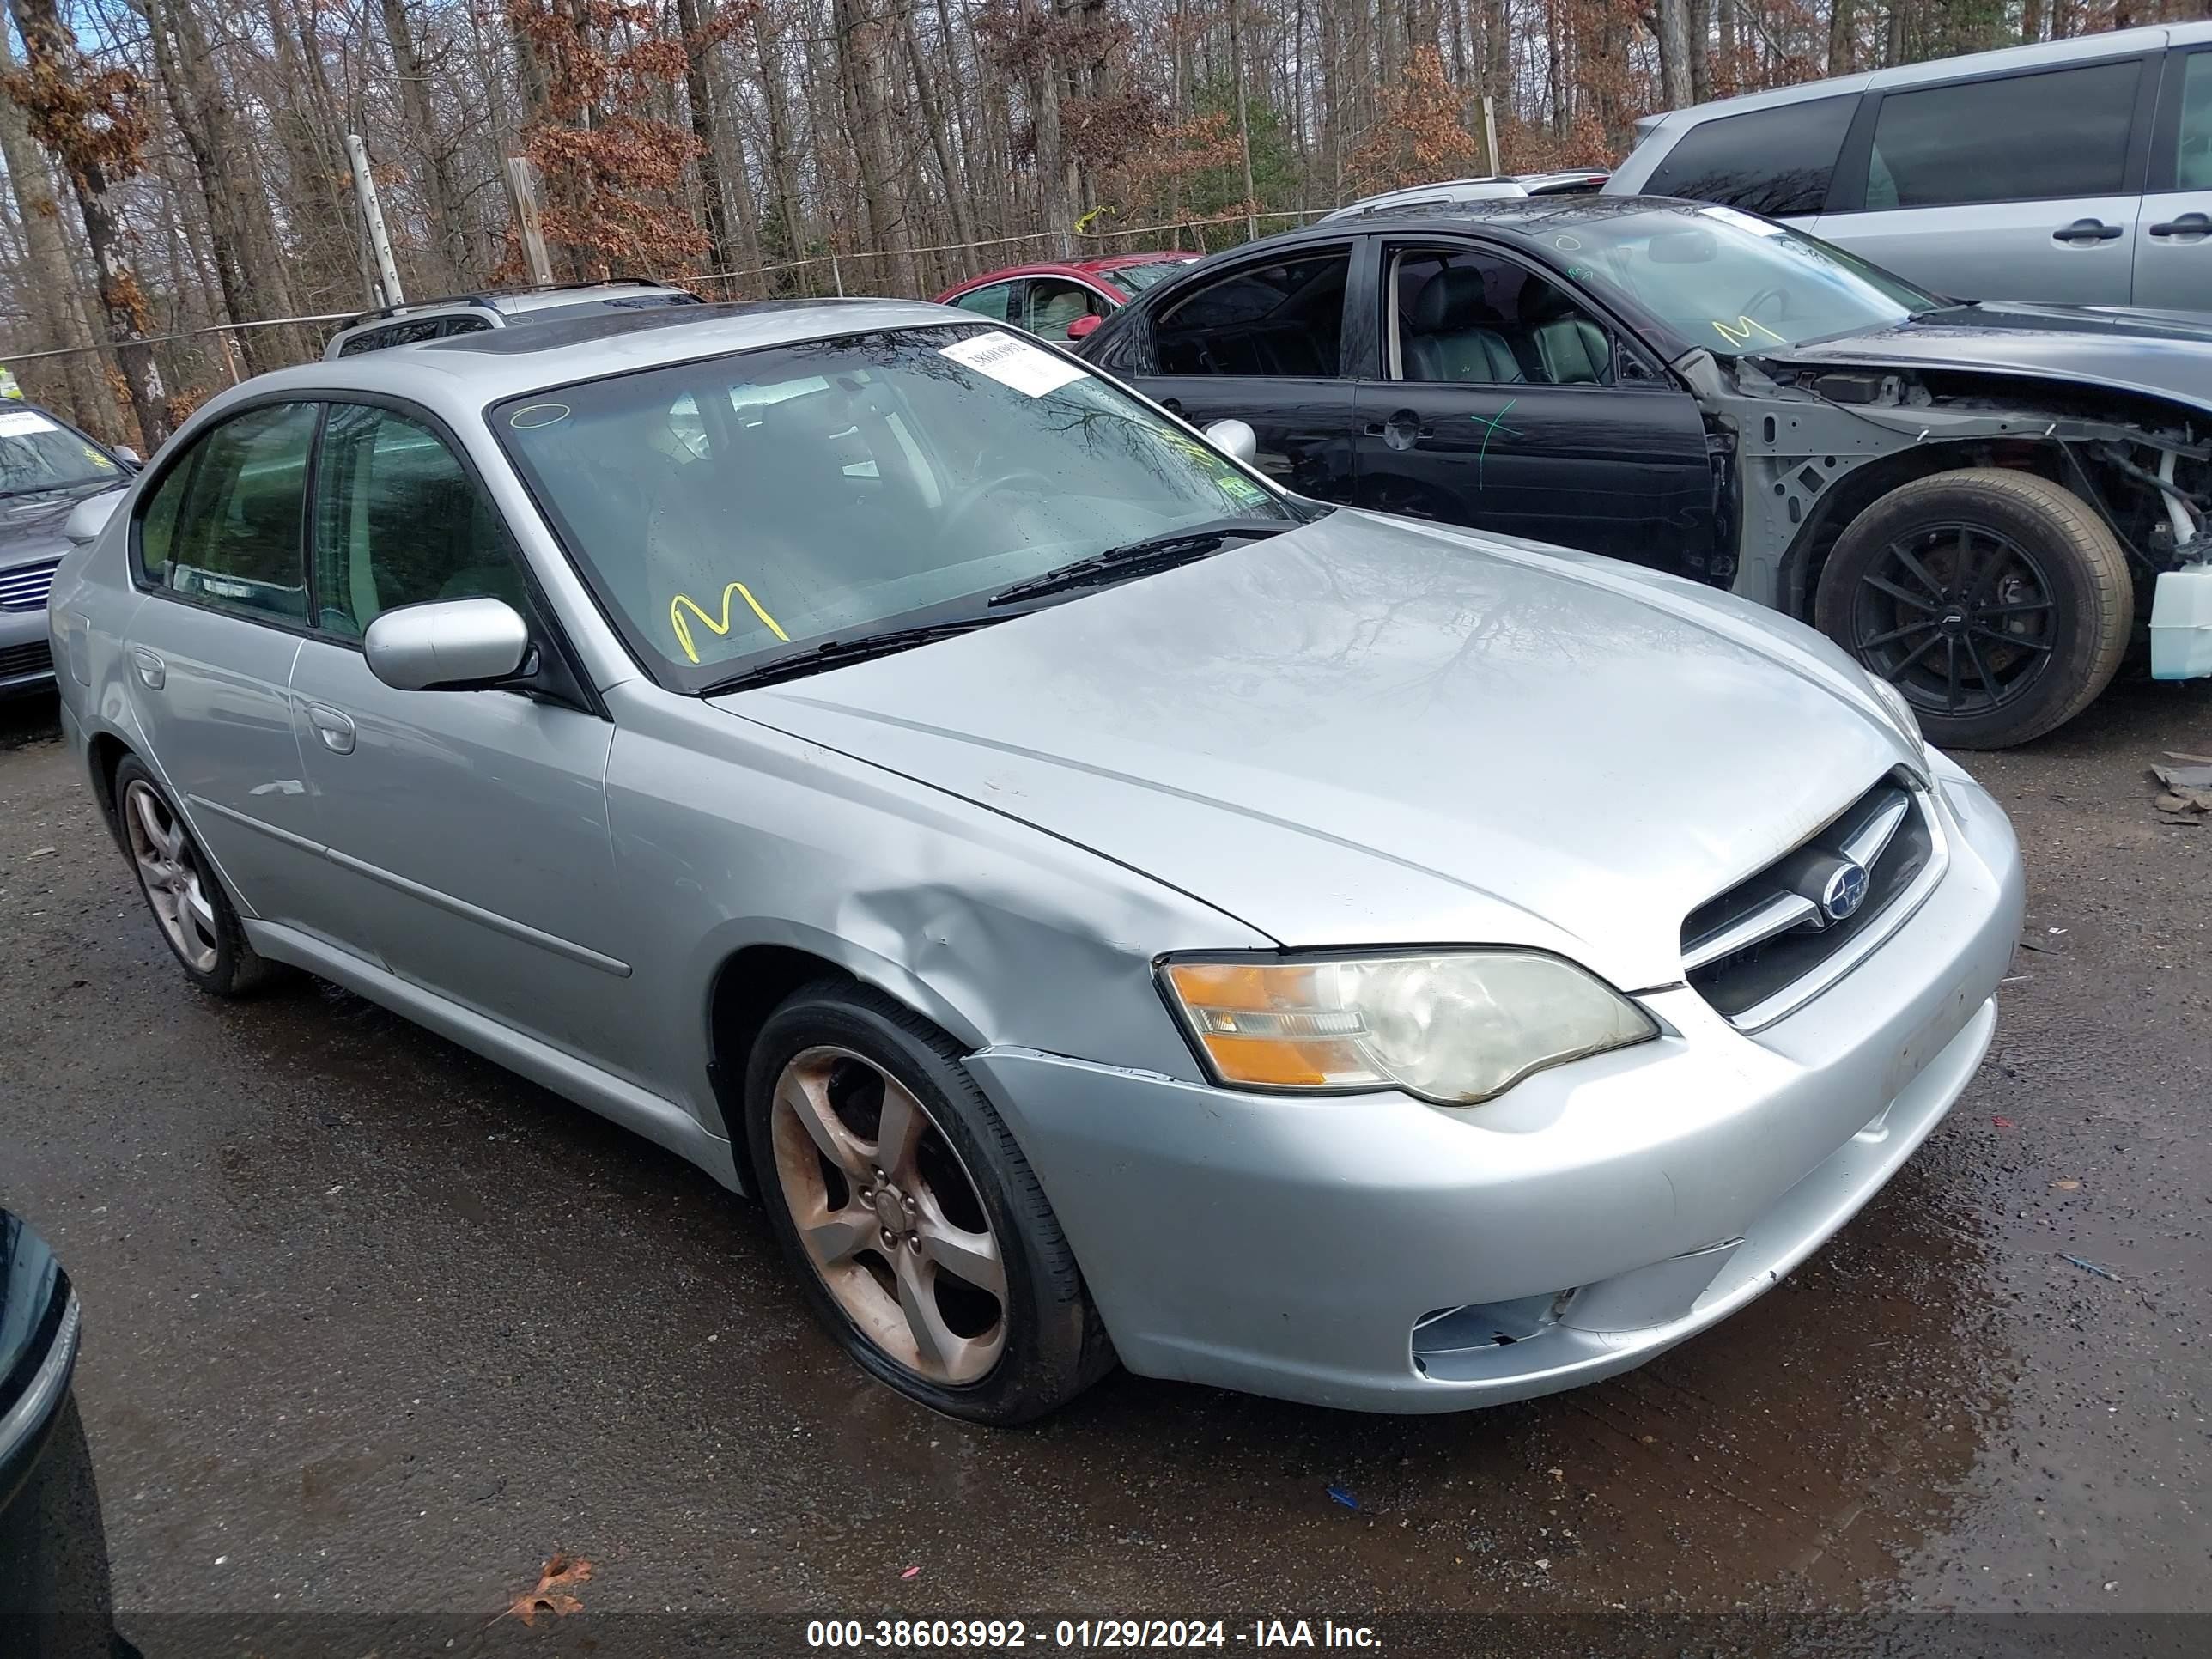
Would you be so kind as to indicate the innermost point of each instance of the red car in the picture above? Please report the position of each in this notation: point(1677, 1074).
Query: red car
point(1063, 300)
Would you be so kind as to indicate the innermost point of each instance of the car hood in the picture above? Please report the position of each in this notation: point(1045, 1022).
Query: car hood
point(1368, 731)
point(2165, 354)
point(31, 528)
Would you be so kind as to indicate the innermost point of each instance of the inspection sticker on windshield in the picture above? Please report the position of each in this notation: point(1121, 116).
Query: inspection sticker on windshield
point(1028, 369)
point(21, 422)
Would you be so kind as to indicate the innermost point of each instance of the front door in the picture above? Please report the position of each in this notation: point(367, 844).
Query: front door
point(216, 548)
point(1263, 342)
point(1506, 404)
point(470, 826)
point(2173, 237)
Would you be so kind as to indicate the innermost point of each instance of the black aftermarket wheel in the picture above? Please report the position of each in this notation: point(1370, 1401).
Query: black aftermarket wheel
point(1996, 600)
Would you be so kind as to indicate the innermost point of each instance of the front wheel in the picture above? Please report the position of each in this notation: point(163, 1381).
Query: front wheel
point(921, 1236)
point(1998, 602)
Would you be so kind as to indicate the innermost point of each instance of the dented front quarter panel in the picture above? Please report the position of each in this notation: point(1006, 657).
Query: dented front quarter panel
point(728, 834)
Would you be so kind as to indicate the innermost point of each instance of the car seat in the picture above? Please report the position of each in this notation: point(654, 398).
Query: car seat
point(1571, 349)
point(1455, 334)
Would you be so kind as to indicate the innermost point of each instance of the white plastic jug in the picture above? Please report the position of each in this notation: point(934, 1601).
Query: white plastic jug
point(2181, 623)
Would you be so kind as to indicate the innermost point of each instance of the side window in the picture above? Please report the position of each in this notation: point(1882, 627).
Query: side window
point(1055, 302)
point(1776, 161)
point(1475, 319)
point(398, 521)
point(2025, 138)
point(1285, 320)
point(988, 301)
point(2192, 166)
point(224, 526)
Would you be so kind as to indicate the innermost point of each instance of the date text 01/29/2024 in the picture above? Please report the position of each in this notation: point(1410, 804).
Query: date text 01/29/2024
point(896, 1635)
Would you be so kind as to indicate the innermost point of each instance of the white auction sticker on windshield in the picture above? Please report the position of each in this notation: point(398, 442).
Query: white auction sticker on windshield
point(1030, 370)
point(21, 422)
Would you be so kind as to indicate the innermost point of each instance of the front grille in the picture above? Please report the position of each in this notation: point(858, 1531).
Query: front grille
point(17, 660)
point(24, 588)
point(1759, 948)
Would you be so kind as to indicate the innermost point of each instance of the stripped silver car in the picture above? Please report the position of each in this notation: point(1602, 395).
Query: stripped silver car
point(1103, 905)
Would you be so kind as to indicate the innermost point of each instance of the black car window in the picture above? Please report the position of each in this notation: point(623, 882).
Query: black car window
point(222, 526)
point(1281, 319)
point(400, 521)
point(1776, 161)
point(2024, 138)
point(1478, 318)
point(2192, 166)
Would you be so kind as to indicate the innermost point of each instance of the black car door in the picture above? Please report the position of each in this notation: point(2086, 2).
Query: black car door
point(1261, 341)
point(1504, 401)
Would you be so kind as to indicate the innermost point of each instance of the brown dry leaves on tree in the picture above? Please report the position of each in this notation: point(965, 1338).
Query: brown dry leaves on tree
point(1418, 137)
point(87, 116)
point(550, 1594)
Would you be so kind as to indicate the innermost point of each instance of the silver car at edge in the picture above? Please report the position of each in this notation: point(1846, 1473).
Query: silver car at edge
point(1105, 907)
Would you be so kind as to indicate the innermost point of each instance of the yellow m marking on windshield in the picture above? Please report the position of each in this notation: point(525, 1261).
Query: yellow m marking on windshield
point(1740, 331)
point(683, 602)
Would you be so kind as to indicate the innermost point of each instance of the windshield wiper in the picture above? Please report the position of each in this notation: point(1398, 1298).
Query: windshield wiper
point(1154, 552)
point(855, 647)
point(48, 488)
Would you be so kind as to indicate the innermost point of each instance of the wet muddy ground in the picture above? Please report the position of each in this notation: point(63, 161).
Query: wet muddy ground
point(372, 1325)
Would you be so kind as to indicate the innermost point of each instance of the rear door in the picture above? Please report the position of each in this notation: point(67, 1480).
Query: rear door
point(2173, 238)
point(1266, 342)
point(2010, 186)
point(216, 545)
point(1506, 402)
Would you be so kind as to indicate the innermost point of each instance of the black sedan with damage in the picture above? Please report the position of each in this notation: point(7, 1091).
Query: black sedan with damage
point(1989, 506)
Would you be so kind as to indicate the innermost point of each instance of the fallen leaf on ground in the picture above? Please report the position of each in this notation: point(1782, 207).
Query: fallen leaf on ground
point(41, 852)
point(2004, 1122)
point(548, 1595)
point(910, 1572)
point(2066, 1186)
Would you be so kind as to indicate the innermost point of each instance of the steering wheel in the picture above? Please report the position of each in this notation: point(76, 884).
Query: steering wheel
point(968, 500)
point(1776, 293)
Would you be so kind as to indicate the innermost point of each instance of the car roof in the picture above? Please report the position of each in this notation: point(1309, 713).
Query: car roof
point(513, 301)
point(456, 377)
point(2047, 54)
point(1104, 262)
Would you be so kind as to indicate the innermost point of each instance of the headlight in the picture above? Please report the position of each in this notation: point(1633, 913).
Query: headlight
point(1454, 1028)
point(1900, 710)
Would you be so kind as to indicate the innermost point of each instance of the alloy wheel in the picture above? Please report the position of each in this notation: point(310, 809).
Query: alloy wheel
point(1957, 617)
point(889, 1215)
point(169, 869)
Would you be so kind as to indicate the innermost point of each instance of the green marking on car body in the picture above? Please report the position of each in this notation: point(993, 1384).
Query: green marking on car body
point(1491, 425)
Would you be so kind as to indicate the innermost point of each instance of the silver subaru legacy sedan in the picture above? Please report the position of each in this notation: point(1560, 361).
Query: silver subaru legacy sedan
point(1106, 908)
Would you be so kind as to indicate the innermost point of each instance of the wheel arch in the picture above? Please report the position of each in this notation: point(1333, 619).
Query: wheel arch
point(752, 976)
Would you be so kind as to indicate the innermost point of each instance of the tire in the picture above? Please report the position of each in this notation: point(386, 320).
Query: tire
point(193, 914)
point(852, 1046)
point(2032, 629)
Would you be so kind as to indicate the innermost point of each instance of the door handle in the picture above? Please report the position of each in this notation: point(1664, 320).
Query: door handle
point(2189, 224)
point(2086, 230)
point(151, 669)
point(334, 729)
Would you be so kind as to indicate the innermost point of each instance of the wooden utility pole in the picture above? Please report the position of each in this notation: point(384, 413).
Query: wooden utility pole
point(522, 193)
point(371, 217)
point(1243, 125)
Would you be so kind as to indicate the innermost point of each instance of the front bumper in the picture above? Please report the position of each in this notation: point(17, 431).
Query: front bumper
point(1292, 1247)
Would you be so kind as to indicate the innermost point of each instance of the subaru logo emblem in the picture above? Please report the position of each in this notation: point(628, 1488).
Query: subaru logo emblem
point(1844, 892)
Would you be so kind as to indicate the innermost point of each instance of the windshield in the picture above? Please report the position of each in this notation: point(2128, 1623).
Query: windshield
point(1136, 279)
point(729, 509)
point(1731, 283)
point(39, 453)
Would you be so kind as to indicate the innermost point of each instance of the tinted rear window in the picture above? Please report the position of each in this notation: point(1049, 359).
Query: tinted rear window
point(2027, 138)
point(1775, 162)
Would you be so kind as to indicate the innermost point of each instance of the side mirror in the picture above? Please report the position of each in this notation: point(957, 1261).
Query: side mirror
point(454, 645)
point(125, 452)
point(1234, 436)
point(90, 516)
point(1083, 327)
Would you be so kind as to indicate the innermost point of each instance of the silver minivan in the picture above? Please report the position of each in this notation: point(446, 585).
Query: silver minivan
point(2077, 172)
